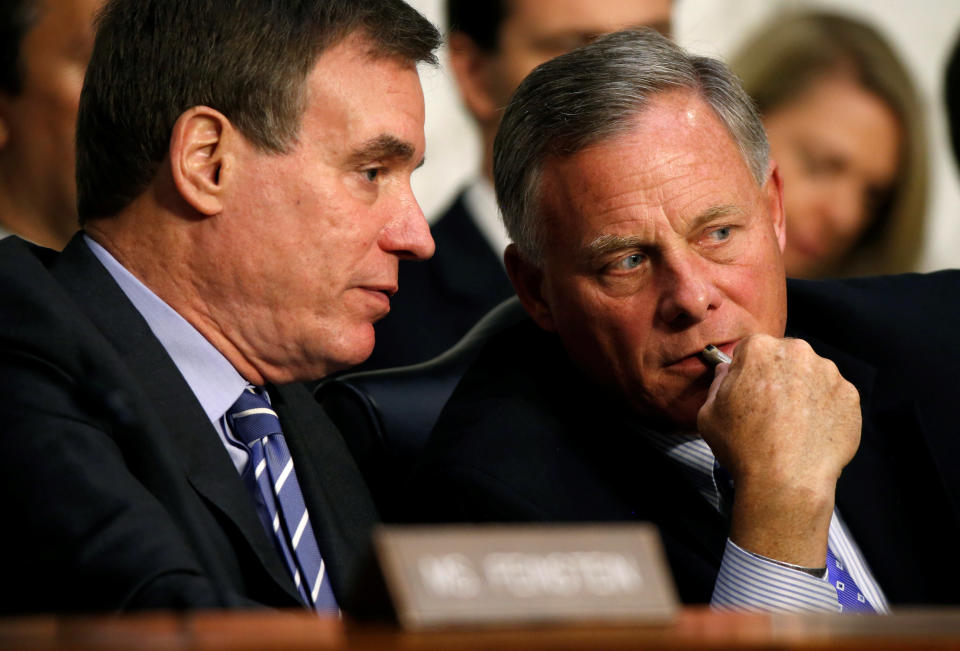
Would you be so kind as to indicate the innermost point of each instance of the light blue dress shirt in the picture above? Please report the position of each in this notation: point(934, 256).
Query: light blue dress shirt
point(213, 380)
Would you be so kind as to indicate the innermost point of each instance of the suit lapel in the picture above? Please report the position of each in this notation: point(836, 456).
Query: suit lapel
point(656, 488)
point(195, 442)
point(341, 509)
point(465, 264)
point(683, 512)
point(893, 473)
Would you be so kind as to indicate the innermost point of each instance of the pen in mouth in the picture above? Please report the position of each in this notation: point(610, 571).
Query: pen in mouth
point(711, 355)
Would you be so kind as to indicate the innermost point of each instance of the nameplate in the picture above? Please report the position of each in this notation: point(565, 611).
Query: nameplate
point(524, 574)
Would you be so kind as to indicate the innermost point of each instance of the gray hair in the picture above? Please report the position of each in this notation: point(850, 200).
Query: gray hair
point(593, 94)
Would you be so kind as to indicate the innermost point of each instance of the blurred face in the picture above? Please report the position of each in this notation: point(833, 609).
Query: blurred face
point(38, 154)
point(838, 148)
point(310, 240)
point(532, 32)
point(658, 243)
point(536, 31)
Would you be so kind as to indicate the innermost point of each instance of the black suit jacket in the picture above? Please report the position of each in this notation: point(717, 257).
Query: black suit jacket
point(441, 298)
point(119, 492)
point(526, 437)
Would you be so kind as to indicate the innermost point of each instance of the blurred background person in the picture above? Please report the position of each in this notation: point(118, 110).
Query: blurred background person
point(44, 49)
point(846, 127)
point(493, 45)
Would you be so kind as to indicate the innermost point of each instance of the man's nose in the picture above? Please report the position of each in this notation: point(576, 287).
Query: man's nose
point(408, 233)
point(688, 291)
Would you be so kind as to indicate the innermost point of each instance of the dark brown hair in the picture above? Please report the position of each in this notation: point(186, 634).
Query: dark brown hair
point(249, 59)
point(480, 21)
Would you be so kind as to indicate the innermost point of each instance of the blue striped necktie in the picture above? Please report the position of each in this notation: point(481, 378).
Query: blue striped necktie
point(278, 493)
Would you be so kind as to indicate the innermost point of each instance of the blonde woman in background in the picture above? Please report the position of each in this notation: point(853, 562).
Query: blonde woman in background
point(845, 125)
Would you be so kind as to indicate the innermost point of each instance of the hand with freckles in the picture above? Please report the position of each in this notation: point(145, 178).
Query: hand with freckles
point(784, 423)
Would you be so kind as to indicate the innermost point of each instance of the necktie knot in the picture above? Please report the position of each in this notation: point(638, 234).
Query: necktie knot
point(251, 417)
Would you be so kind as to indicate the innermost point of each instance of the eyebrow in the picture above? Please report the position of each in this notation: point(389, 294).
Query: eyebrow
point(606, 244)
point(382, 147)
point(713, 213)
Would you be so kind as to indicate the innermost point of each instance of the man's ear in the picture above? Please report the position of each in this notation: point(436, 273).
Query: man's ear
point(528, 280)
point(773, 190)
point(473, 69)
point(199, 157)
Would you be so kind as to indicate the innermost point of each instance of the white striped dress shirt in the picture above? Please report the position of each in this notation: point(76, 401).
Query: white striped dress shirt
point(748, 581)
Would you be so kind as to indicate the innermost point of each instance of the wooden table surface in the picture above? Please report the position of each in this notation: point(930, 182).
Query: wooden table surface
point(694, 628)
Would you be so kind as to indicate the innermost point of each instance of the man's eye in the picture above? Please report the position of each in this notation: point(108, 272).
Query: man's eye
point(372, 174)
point(720, 234)
point(630, 262)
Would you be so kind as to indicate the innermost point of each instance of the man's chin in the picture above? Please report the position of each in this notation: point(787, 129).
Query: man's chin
point(679, 412)
point(357, 356)
point(345, 354)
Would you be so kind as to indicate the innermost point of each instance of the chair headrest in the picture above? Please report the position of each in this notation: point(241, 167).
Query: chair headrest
point(402, 404)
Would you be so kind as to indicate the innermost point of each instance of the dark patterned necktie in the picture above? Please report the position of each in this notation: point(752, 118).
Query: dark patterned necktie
point(257, 426)
point(848, 594)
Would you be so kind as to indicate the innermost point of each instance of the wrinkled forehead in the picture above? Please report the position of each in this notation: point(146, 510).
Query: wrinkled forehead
point(675, 156)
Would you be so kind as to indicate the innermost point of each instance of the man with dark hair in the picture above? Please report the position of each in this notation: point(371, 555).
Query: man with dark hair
point(44, 48)
point(243, 173)
point(493, 45)
point(647, 224)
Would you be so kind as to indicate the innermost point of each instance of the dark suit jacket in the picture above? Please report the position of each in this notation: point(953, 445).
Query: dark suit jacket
point(441, 298)
point(119, 493)
point(526, 437)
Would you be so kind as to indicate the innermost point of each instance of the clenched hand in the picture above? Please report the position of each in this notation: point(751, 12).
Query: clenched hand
point(783, 422)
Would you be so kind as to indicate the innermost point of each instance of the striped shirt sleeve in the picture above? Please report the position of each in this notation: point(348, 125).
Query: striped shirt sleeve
point(750, 582)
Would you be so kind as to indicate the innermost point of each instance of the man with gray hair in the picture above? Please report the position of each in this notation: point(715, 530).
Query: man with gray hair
point(648, 224)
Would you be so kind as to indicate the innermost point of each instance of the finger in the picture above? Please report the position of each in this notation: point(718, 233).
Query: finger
point(719, 373)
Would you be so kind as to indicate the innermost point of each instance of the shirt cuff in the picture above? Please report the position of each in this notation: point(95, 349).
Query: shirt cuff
point(750, 582)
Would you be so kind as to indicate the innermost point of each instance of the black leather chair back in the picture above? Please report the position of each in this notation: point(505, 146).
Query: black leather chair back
point(386, 415)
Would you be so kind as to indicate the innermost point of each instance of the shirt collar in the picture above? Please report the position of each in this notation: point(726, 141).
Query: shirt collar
point(213, 380)
point(694, 456)
point(481, 202)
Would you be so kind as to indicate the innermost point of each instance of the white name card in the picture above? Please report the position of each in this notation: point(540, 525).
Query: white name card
point(486, 574)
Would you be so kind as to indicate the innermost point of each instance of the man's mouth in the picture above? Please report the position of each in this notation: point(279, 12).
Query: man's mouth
point(695, 361)
point(388, 289)
point(380, 294)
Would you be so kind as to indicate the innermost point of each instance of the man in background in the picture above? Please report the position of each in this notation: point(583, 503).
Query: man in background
point(493, 46)
point(245, 197)
point(44, 49)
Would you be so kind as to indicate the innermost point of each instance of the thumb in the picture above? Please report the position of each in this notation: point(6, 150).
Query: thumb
point(720, 372)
